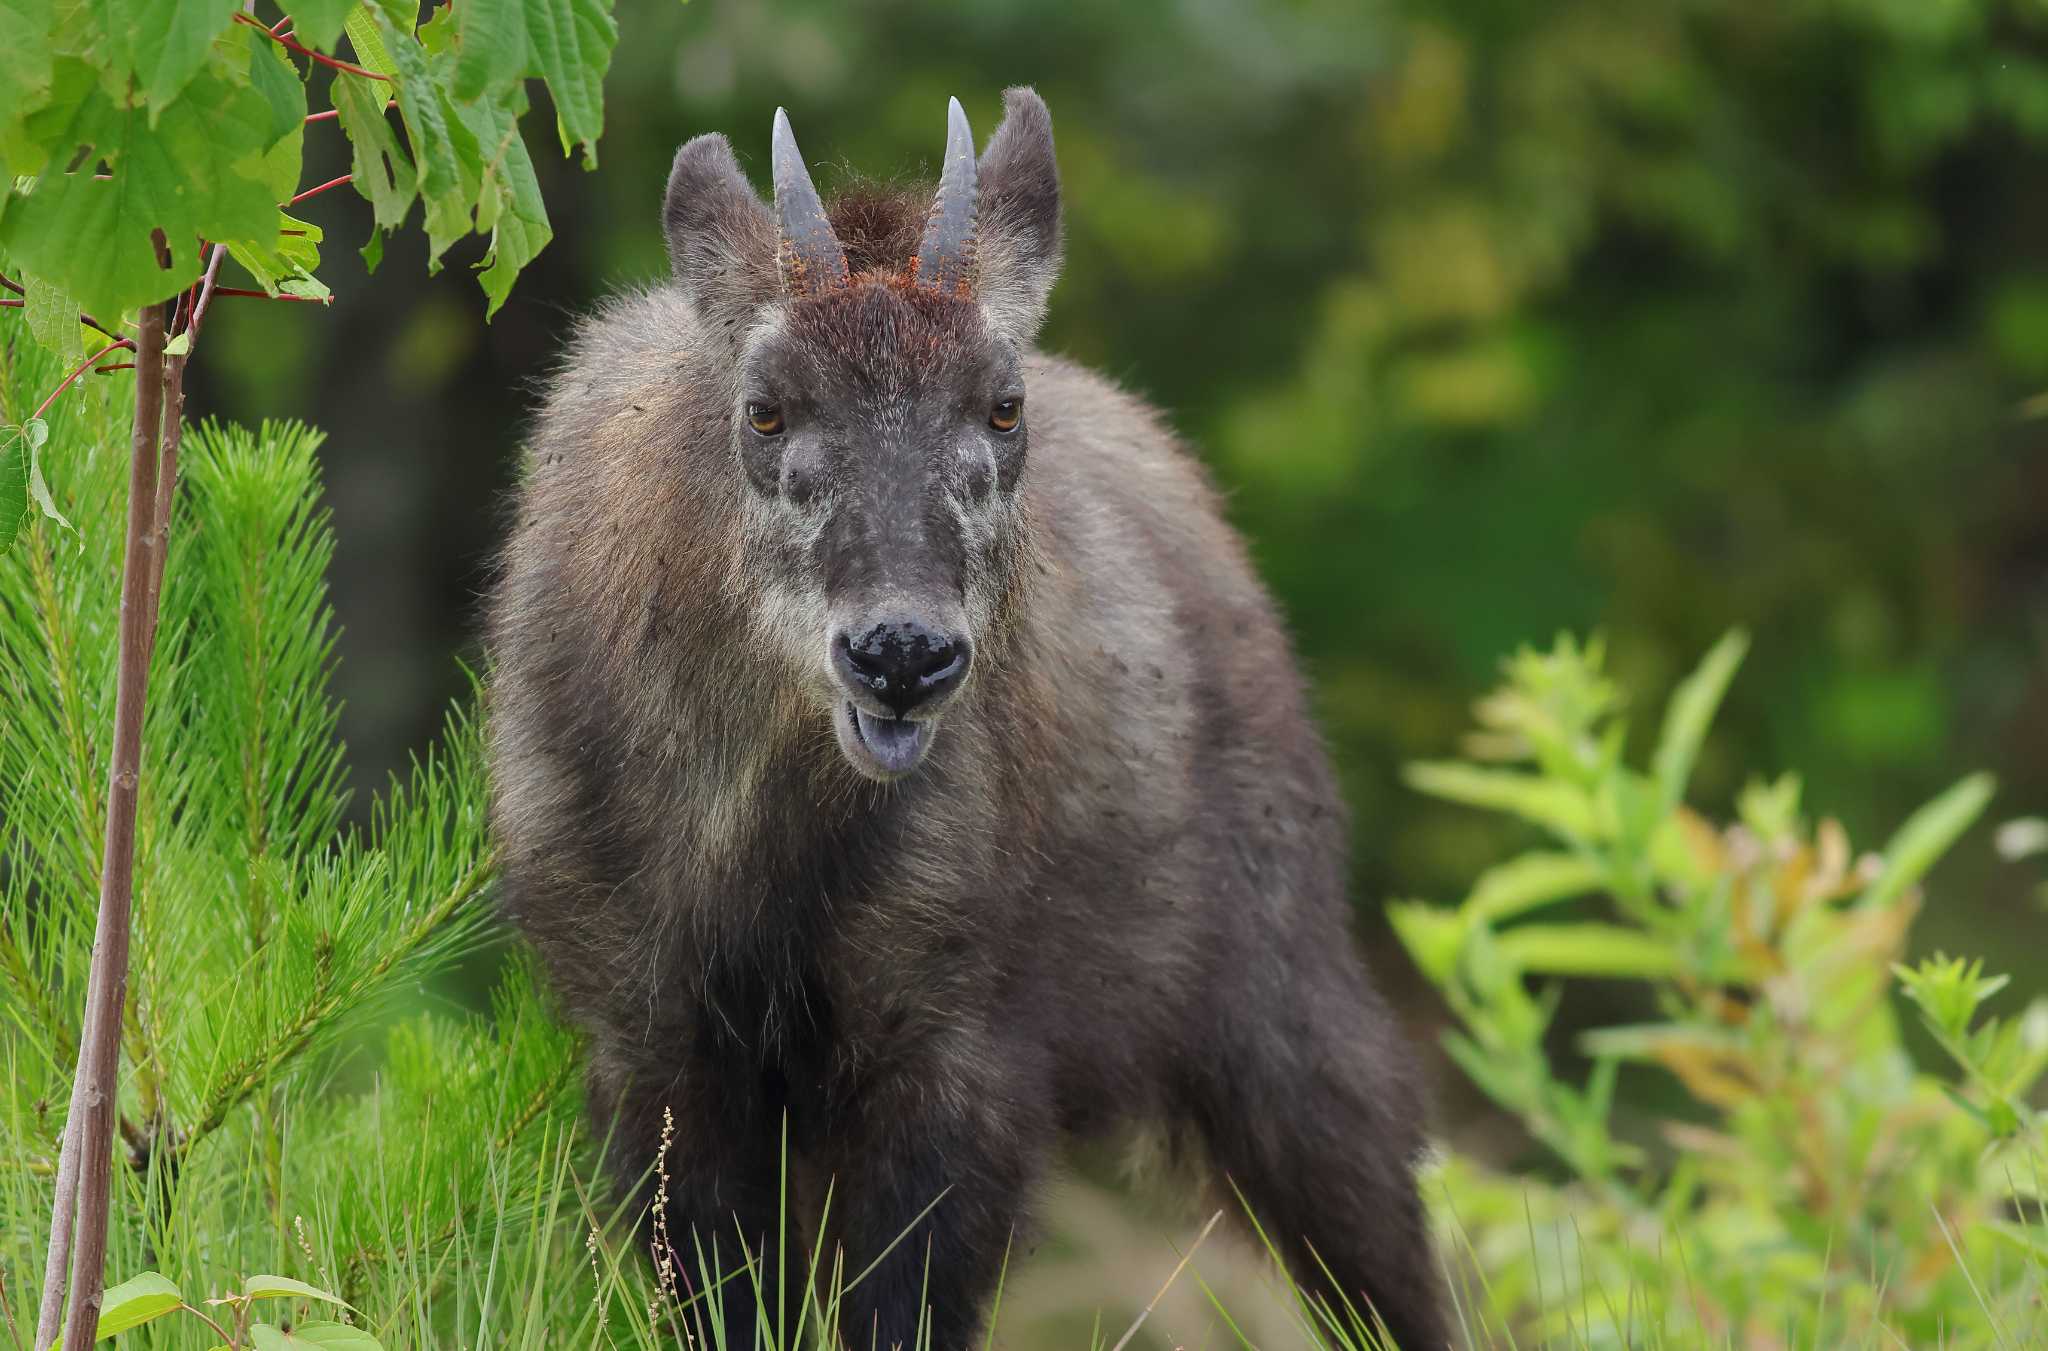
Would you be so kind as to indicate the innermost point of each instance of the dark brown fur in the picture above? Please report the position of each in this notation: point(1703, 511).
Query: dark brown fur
point(1112, 896)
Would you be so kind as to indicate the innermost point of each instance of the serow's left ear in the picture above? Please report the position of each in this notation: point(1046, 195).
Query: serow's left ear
point(1017, 246)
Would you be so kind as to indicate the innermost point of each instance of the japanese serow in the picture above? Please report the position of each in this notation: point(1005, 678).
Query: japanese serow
point(891, 740)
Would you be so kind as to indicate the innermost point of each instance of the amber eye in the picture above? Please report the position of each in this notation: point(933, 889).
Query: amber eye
point(765, 418)
point(1004, 416)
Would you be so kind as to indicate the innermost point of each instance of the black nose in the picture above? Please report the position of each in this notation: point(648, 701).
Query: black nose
point(900, 662)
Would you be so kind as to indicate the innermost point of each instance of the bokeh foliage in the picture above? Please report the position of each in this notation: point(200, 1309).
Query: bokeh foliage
point(1811, 1186)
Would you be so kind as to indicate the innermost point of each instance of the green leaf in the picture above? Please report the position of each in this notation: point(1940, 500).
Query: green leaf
point(180, 346)
point(307, 1336)
point(283, 163)
point(1926, 836)
point(1534, 879)
point(52, 317)
point(1689, 714)
point(317, 23)
point(1433, 936)
point(509, 204)
point(384, 174)
point(134, 1302)
point(284, 1287)
point(1590, 949)
point(444, 148)
point(490, 38)
point(569, 44)
point(197, 173)
point(36, 433)
point(162, 43)
point(1561, 807)
point(1644, 1041)
point(368, 42)
point(24, 49)
point(272, 74)
point(291, 252)
point(14, 453)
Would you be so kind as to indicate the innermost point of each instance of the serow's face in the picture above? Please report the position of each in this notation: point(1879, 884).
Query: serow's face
point(882, 432)
point(879, 418)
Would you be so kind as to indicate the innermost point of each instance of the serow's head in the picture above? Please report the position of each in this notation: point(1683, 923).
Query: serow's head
point(878, 410)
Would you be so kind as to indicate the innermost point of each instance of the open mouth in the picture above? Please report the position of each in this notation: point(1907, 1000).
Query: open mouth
point(883, 748)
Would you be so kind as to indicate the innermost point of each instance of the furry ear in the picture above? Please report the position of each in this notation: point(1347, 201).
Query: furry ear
point(1017, 232)
point(721, 236)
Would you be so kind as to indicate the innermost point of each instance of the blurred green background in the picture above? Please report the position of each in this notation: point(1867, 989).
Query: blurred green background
point(1494, 318)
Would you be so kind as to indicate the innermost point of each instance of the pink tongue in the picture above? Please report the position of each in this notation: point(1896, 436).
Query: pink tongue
point(895, 744)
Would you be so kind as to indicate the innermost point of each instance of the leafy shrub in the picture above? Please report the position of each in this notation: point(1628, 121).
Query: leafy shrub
point(1812, 1185)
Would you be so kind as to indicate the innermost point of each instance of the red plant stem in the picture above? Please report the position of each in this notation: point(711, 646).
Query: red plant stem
point(13, 304)
point(265, 295)
point(118, 345)
point(109, 370)
point(291, 46)
point(333, 113)
point(12, 285)
point(319, 188)
point(99, 1056)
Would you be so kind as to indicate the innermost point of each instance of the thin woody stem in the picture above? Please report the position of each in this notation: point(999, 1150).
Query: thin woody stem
point(91, 1118)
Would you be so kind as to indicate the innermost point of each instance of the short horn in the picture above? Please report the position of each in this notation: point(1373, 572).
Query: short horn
point(806, 250)
point(945, 256)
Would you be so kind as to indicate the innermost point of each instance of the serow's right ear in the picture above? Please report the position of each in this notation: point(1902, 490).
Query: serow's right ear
point(721, 236)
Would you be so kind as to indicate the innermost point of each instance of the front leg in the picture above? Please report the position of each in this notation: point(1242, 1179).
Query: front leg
point(952, 1132)
point(719, 1198)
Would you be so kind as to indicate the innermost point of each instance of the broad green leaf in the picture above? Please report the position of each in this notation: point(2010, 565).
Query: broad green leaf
point(73, 84)
point(1588, 949)
point(37, 432)
point(24, 49)
point(14, 454)
point(1559, 806)
point(569, 44)
point(371, 53)
point(284, 1287)
point(509, 204)
point(283, 163)
point(444, 148)
point(272, 74)
point(1926, 836)
point(292, 251)
point(490, 45)
point(308, 1336)
point(134, 1302)
point(317, 23)
point(162, 43)
point(197, 173)
point(1533, 880)
point(1689, 714)
point(337, 1337)
point(52, 317)
point(384, 174)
